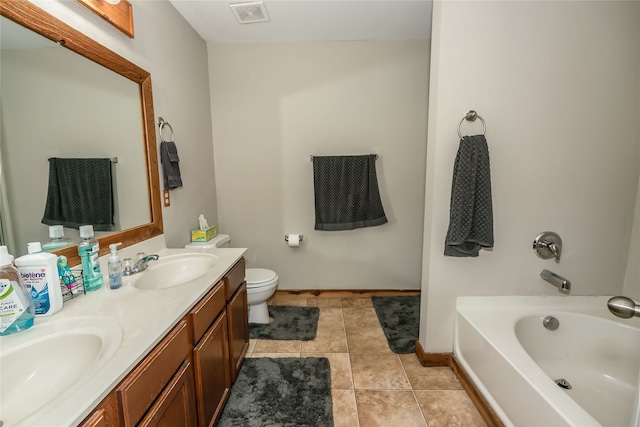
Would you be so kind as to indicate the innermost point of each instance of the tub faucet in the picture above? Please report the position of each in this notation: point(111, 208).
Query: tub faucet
point(129, 267)
point(624, 307)
point(558, 281)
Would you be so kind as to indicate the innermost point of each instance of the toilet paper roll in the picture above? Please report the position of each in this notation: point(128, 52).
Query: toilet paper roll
point(294, 240)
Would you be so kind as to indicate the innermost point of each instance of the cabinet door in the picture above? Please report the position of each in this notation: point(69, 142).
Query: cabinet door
point(176, 405)
point(237, 310)
point(105, 415)
point(213, 379)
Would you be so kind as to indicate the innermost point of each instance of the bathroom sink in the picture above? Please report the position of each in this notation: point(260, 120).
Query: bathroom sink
point(175, 270)
point(41, 365)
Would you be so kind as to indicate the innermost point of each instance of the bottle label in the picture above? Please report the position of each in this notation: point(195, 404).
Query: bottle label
point(36, 280)
point(12, 304)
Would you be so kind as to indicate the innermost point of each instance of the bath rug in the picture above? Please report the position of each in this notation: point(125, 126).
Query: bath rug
point(289, 391)
point(289, 323)
point(400, 320)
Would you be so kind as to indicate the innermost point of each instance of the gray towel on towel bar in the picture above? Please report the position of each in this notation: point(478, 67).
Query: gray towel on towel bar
point(170, 165)
point(346, 192)
point(471, 211)
point(80, 192)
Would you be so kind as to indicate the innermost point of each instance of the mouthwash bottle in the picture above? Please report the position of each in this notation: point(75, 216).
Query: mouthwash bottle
point(58, 241)
point(16, 307)
point(88, 249)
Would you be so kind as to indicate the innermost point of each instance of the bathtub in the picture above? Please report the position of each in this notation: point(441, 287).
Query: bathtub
point(514, 360)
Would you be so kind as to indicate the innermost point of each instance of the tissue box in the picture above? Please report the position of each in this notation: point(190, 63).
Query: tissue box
point(205, 235)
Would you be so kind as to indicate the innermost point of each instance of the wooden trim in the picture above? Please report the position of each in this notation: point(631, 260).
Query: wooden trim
point(432, 359)
point(32, 17)
point(341, 293)
point(119, 15)
point(487, 413)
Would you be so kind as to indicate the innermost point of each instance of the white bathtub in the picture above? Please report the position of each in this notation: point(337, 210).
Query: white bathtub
point(514, 361)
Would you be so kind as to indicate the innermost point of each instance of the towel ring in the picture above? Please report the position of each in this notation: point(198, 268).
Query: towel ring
point(161, 124)
point(471, 116)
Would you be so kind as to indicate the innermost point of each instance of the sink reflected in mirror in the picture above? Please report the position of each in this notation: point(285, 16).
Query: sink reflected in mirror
point(56, 357)
point(175, 270)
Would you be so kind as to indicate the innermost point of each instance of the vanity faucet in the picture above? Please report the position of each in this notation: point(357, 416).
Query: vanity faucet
point(129, 267)
point(559, 282)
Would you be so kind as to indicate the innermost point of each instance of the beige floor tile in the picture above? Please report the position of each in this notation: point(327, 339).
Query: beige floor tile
point(345, 412)
point(367, 340)
point(422, 378)
point(324, 302)
point(341, 377)
point(356, 302)
point(330, 317)
point(378, 372)
point(252, 345)
point(327, 341)
point(360, 318)
point(275, 355)
point(388, 408)
point(448, 408)
point(291, 301)
point(277, 346)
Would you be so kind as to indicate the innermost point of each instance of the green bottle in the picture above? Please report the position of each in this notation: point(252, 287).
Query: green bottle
point(88, 249)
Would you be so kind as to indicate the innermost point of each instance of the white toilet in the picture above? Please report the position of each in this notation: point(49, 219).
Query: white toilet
point(261, 283)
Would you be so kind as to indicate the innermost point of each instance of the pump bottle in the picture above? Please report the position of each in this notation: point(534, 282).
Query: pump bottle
point(16, 307)
point(115, 267)
point(88, 249)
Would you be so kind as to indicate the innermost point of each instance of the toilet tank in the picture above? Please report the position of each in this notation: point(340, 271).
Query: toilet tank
point(220, 241)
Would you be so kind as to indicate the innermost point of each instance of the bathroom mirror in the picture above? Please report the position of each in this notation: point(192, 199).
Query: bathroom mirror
point(138, 188)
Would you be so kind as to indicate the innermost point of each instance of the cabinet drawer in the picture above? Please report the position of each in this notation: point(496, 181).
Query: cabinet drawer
point(206, 311)
point(234, 278)
point(141, 388)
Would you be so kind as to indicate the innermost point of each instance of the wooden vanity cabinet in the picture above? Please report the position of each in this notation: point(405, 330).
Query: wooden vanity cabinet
point(211, 355)
point(238, 313)
point(104, 415)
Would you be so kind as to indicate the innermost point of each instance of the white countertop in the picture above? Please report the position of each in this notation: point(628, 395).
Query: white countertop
point(145, 318)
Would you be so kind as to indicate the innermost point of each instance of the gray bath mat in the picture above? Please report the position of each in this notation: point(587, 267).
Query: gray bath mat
point(280, 392)
point(400, 320)
point(289, 323)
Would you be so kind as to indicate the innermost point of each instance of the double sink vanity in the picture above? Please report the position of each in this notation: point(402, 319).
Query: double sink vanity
point(162, 350)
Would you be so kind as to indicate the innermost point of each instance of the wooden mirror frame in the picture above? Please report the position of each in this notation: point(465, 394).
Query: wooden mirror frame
point(32, 17)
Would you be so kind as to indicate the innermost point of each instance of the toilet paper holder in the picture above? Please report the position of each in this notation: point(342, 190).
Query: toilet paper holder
point(286, 237)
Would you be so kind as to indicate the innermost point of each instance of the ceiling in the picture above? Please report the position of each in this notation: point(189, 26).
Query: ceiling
point(296, 21)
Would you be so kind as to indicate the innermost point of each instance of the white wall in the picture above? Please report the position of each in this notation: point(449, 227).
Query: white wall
point(632, 277)
point(273, 107)
point(166, 46)
point(558, 85)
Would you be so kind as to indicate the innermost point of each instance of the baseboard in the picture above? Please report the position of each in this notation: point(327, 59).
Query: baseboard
point(448, 360)
point(342, 293)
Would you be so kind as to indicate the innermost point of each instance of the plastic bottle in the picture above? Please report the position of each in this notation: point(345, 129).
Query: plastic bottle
point(115, 267)
point(88, 250)
point(39, 271)
point(66, 275)
point(58, 241)
point(16, 307)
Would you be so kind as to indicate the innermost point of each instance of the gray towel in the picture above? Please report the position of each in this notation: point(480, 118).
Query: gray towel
point(346, 192)
point(170, 165)
point(471, 212)
point(80, 192)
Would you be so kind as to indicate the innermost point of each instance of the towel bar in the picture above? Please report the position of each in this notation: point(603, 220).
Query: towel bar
point(471, 116)
point(311, 157)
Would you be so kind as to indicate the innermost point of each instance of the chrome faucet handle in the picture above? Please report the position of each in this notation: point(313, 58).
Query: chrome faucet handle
point(548, 245)
point(624, 307)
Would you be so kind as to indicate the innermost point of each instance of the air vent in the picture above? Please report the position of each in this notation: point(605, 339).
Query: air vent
point(248, 13)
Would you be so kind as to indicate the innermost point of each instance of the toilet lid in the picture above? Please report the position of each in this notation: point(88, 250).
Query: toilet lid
point(259, 276)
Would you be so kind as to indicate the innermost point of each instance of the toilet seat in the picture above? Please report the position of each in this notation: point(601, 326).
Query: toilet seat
point(260, 277)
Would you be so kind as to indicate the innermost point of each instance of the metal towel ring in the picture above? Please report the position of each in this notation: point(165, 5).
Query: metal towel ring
point(161, 124)
point(471, 116)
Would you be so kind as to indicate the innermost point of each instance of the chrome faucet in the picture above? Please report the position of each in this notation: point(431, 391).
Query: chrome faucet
point(624, 307)
point(129, 267)
point(559, 282)
point(548, 245)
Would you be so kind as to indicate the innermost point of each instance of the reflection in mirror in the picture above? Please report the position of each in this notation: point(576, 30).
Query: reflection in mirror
point(100, 106)
point(74, 108)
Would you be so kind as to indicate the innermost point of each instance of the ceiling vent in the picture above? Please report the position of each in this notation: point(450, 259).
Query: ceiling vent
point(248, 13)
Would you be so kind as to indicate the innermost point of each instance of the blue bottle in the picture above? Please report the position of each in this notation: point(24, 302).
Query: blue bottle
point(17, 310)
point(88, 249)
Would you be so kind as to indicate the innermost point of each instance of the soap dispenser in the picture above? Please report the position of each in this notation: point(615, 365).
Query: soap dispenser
point(115, 267)
point(17, 310)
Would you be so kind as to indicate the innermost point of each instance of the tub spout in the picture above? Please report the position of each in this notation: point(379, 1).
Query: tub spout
point(559, 282)
point(624, 307)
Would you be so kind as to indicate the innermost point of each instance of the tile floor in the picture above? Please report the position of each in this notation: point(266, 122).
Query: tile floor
point(372, 386)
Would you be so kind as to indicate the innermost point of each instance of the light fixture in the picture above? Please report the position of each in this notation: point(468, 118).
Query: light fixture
point(112, 1)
